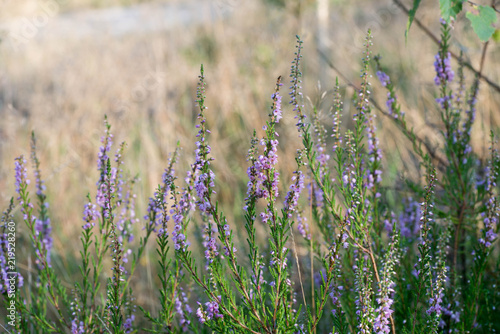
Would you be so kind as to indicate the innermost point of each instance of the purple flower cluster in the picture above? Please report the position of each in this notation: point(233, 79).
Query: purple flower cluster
point(442, 65)
point(303, 226)
point(77, 327)
point(490, 217)
point(21, 174)
point(489, 235)
point(106, 189)
point(263, 179)
point(435, 303)
point(390, 104)
point(182, 307)
point(362, 282)
point(127, 216)
point(263, 165)
point(211, 249)
point(43, 232)
point(178, 236)
point(277, 112)
point(386, 289)
point(384, 78)
point(276, 259)
point(292, 197)
point(212, 311)
point(203, 186)
point(374, 154)
point(90, 215)
point(384, 311)
point(409, 225)
point(107, 142)
point(7, 271)
point(43, 227)
point(127, 325)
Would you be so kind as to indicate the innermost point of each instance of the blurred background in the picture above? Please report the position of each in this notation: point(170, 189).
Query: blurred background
point(64, 64)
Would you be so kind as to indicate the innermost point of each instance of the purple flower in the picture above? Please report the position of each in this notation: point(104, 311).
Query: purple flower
point(127, 325)
point(77, 327)
point(277, 112)
point(90, 215)
point(212, 311)
point(295, 88)
point(21, 173)
point(182, 307)
point(211, 249)
point(384, 78)
point(385, 290)
point(293, 195)
point(444, 73)
point(303, 227)
point(178, 236)
point(390, 103)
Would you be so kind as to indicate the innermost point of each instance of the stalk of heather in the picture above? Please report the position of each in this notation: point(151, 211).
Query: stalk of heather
point(360, 262)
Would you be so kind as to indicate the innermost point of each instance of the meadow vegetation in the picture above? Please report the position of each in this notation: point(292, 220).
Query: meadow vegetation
point(338, 214)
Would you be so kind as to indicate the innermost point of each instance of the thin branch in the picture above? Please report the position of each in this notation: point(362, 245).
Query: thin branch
point(454, 55)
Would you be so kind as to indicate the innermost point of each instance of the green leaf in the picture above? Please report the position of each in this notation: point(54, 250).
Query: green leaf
point(496, 36)
point(482, 23)
point(450, 9)
point(411, 16)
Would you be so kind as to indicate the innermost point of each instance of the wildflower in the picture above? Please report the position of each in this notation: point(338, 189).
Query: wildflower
point(386, 288)
point(295, 88)
point(292, 196)
point(303, 227)
point(127, 325)
point(90, 215)
point(182, 307)
point(277, 112)
point(442, 65)
point(384, 78)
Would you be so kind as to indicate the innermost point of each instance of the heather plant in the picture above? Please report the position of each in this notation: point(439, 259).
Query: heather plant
point(337, 257)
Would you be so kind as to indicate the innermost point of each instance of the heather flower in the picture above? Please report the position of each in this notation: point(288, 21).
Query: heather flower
point(295, 88)
point(292, 196)
point(442, 65)
point(211, 312)
point(7, 269)
point(337, 117)
point(381, 324)
point(211, 249)
point(127, 325)
point(90, 215)
point(107, 142)
point(409, 219)
point(77, 327)
point(375, 155)
point(302, 226)
point(277, 112)
point(182, 307)
point(362, 284)
point(391, 99)
point(490, 216)
point(384, 78)
point(322, 157)
point(21, 174)
point(126, 217)
point(178, 236)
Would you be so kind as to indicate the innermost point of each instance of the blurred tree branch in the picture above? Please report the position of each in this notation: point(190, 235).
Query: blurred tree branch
point(454, 55)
